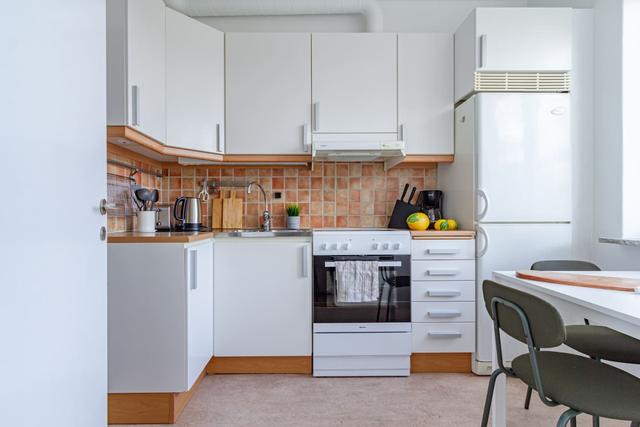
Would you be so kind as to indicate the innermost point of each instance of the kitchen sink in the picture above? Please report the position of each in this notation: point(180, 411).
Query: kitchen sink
point(258, 232)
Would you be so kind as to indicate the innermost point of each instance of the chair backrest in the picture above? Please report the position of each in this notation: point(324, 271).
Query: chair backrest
point(564, 265)
point(547, 327)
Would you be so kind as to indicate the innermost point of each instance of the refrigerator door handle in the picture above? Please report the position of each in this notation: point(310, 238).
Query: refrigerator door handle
point(484, 197)
point(481, 232)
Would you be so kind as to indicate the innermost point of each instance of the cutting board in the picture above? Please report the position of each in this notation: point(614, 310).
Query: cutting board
point(216, 211)
point(582, 280)
point(232, 210)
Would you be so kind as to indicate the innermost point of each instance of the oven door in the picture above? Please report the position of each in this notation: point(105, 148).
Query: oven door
point(393, 304)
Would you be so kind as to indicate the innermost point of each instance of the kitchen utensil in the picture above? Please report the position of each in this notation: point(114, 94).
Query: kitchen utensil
point(216, 211)
point(402, 210)
point(204, 193)
point(144, 196)
point(232, 212)
point(186, 212)
point(155, 196)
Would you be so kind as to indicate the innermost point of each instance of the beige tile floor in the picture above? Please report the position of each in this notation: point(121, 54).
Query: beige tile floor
point(420, 400)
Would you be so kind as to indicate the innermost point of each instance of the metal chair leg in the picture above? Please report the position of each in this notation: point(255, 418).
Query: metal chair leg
point(487, 402)
point(635, 423)
point(596, 421)
point(568, 415)
point(527, 400)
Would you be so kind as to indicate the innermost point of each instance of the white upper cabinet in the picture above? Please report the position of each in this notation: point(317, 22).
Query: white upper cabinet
point(512, 39)
point(268, 93)
point(425, 93)
point(354, 84)
point(136, 65)
point(195, 84)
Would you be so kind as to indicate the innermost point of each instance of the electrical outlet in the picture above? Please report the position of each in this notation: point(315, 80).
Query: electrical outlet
point(277, 195)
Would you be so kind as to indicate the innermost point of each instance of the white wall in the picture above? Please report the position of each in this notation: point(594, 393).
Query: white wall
point(53, 367)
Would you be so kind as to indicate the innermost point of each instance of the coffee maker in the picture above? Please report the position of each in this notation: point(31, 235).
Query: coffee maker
point(430, 202)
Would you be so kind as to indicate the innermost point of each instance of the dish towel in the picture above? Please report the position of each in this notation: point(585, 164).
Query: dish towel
point(357, 281)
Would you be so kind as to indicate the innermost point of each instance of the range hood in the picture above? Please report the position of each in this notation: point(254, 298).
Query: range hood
point(389, 152)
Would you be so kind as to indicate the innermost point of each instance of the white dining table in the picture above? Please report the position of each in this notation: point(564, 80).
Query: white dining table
point(615, 309)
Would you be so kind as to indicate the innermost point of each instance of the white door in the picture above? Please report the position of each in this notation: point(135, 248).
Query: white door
point(425, 93)
point(512, 247)
point(524, 157)
point(199, 265)
point(262, 300)
point(354, 83)
point(524, 39)
point(53, 318)
point(268, 92)
point(195, 84)
point(145, 64)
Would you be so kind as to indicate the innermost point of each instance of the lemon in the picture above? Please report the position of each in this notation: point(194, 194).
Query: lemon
point(418, 221)
point(446, 224)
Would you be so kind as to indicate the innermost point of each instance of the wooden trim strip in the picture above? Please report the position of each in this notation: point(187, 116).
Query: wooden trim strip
point(413, 159)
point(441, 362)
point(260, 365)
point(149, 408)
point(158, 237)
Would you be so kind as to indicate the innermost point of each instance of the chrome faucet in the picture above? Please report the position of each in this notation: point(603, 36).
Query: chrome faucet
point(266, 217)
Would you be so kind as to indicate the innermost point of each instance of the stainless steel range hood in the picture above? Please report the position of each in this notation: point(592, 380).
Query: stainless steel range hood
point(389, 152)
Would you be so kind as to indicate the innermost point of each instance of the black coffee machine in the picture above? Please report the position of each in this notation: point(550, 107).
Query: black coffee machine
point(430, 202)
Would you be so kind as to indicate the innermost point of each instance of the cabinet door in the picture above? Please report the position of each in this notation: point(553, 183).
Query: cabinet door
point(524, 39)
point(354, 83)
point(268, 92)
point(145, 64)
point(199, 273)
point(195, 84)
point(262, 301)
point(425, 92)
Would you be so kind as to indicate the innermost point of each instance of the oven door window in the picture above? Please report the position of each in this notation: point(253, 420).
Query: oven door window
point(391, 304)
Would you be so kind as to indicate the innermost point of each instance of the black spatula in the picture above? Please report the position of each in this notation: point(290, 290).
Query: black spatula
point(402, 210)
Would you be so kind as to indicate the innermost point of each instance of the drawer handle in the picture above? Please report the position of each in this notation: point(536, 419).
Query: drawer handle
point(442, 314)
point(443, 251)
point(445, 334)
point(439, 293)
point(443, 272)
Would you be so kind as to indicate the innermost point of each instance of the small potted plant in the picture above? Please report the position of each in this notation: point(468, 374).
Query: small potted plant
point(293, 217)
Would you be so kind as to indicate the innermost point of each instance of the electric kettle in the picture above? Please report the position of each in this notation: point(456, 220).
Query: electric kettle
point(186, 212)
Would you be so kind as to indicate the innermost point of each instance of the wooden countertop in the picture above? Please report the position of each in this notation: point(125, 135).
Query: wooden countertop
point(159, 237)
point(449, 234)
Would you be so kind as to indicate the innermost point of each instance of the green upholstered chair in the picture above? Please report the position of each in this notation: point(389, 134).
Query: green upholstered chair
point(582, 384)
point(597, 342)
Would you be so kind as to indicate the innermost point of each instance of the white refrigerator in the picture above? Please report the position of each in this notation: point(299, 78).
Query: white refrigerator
point(511, 182)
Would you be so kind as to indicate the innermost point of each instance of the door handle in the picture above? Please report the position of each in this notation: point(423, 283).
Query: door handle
point(481, 231)
point(135, 105)
point(305, 138)
point(442, 251)
point(316, 116)
point(191, 268)
point(218, 138)
point(445, 334)
point(484, 197)
point(483, 51)
point(442, 272)
point(305, 261)
point(444, 314)
point(104, 205)
point(441, 293)
point(402, 132)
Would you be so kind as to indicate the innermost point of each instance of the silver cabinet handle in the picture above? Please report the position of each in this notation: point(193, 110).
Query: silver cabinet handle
point(380, 264)
point(484, 197)
point(445, 334)
point(305, 261)
point(305, 138)
point(481, 232)
point(135, 105)
point(483, 51)
point(443, 272)
point(439, 293)
point(104, 205)
point(191, 268)
point(444, 314)
point(218, 138)
point(402, 136)
point(316, 116)
point(443, 251)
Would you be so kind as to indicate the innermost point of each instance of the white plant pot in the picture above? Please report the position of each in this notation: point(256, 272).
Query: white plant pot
point(293, 222)
point(146, 221)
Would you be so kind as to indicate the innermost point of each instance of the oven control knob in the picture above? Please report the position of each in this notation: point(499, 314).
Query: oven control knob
point(385, 246)
point(396, 246)
point(334, 246)
point(375, 246)
point(323, 246)
point(345, 246)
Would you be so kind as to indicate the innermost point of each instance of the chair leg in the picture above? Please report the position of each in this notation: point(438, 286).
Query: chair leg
point(527, 400)
point(487, 402)
point(635, 423)
point(568, 415)
point(596, 421)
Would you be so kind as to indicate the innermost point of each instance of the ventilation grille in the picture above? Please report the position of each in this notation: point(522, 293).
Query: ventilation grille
point(521, 82)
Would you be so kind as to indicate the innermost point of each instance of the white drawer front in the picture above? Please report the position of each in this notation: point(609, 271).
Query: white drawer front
point(443, 270)
point(362, 344)
point(443, 249)
point(441, 291)
point(443, 312)
point(444, 337)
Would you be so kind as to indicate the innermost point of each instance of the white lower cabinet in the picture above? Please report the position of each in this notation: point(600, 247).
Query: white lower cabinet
point(262, 297)
point(443, 295)
point(159, 315)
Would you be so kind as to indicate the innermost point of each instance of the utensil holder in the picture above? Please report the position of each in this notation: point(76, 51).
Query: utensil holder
point(146, 221)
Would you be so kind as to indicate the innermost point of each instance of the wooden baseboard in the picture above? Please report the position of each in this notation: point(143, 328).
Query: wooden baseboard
point(149, 408)
point(260, 365)
point(440, 362)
